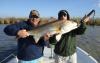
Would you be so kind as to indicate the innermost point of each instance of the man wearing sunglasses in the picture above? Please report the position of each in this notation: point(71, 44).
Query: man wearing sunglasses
point(28, 50)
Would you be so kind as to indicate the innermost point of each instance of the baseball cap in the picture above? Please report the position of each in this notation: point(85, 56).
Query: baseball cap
point(34, 14)
point(62, 12)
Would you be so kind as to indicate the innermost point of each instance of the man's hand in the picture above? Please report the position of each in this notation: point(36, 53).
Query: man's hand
point(87, 19)
point(47, 36)
point(22, 33)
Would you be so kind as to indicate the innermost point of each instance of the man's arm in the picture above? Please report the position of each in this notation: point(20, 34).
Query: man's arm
point(82, 27)
point(11, 30)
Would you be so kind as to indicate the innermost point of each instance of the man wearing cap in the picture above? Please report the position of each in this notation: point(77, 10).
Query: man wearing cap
point(28, 50)
point(65, 47)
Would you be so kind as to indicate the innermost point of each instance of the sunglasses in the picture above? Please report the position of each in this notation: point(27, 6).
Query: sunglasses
point(62, 14)
point(34, 16)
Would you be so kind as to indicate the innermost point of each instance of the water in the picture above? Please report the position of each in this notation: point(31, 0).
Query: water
point(90, 42)
point(7, 44)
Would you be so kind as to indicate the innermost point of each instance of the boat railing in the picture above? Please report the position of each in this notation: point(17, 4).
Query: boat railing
point(12, 55)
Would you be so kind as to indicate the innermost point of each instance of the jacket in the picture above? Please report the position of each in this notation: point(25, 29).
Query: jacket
point(27, 48)
point(66, 45)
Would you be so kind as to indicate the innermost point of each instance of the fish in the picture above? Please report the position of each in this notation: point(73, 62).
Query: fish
point(53, 27)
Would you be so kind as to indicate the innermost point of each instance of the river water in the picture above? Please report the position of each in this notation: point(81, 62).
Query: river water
point(90, 42)
point(7, 44)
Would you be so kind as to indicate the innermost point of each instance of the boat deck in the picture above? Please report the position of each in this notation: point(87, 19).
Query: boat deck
point(82, 57)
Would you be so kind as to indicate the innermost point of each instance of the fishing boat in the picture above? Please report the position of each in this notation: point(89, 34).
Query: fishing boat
point(82, 57)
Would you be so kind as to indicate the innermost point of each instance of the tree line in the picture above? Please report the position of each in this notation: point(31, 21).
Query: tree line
point(13, 20)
